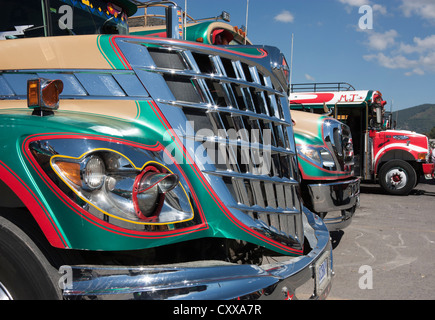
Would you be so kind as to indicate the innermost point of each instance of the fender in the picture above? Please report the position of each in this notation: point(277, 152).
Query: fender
point(405, 153)
point(33, 204)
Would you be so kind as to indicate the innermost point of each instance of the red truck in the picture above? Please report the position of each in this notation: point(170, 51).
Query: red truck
point(394, 158)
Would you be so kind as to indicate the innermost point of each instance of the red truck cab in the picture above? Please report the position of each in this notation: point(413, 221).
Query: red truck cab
point(395, 159)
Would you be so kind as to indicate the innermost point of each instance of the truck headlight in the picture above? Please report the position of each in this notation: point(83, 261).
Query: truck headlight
point(93, 173)
point(327, 159)
point(108, 184)
point(310, 152)
point(320, 156)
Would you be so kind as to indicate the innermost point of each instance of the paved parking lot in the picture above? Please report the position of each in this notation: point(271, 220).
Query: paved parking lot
point(388, 252)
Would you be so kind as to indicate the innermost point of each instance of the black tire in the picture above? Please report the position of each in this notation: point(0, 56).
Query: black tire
point(25, 274)
point(397, 177)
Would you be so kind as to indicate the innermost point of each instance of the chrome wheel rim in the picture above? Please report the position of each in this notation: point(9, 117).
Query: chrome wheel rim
point(4, 293)
point(396, 178)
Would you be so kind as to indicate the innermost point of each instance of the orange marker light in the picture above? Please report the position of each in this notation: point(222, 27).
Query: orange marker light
point(33, 93)
point(43, 93)
point(71, 171)
point(421, 156)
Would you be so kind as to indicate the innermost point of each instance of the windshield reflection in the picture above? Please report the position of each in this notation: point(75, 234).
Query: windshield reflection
point(87, 17)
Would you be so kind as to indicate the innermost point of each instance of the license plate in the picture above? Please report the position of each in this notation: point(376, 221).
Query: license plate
point(322, 272)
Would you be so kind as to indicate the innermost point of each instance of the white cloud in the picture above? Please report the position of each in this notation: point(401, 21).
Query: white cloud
point(349, 4)
point(355, 3)
point(428, 61)
point(382, 41)
point(419, 45)
point(392, 62)
point(380, 8)
point(416, 71)
point(418, 65)
point(285, 16)
point(309, 78)
point(416, 57)
point(422, 8)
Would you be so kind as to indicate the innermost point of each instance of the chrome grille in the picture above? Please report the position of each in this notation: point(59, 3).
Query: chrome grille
point(338, 138)
point(348, 152)
point(241, 105)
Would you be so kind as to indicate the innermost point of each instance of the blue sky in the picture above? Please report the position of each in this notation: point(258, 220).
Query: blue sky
point(396, 56)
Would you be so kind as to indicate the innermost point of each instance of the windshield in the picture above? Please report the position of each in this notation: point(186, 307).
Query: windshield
point(33, 18)
point(18, 16)
point(87, 17)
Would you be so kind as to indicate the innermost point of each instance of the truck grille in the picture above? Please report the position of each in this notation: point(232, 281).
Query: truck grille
point(338, 138)
point(237, 109)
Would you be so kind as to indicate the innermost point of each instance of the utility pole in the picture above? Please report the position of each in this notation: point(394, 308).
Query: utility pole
point(185, 19)
point(246, 23)
point(291, 67)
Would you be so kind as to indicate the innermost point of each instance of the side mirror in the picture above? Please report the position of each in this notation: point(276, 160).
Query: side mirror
point(174, 22)
point(225, 16)
point(379, 115)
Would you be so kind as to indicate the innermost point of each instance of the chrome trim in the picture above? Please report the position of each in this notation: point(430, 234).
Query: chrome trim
point(402, 178)
point(275, 223)
point(252, 177)
point(239, 143)
point(209, 280)
point(226, 90)
point(4, 293)
point(333, 196)
point(267, 210)
point(339, 220)
point(233, 111)
point(337, 137)
point(78, 83)
point(220, 78)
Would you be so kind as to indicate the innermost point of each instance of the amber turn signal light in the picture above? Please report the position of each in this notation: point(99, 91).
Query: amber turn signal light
point(421, 156)
point(71, 171)
point(43, 93)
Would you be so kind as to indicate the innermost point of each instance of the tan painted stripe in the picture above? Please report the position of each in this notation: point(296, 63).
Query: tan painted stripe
point(305, 122)
point(68, 52)
point(122, 109)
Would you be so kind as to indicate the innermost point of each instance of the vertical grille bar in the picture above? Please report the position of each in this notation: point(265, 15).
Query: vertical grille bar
point(244, 110)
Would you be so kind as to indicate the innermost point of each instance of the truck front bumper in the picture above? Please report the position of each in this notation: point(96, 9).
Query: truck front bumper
point(213, 280)
point(341, 196)
point(428, 170)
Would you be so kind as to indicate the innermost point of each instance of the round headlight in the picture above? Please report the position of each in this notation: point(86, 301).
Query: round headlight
point(149, 191)
point(94, 173)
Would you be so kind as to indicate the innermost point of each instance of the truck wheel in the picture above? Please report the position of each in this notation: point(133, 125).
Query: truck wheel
point(25, 274)
point(397, 177)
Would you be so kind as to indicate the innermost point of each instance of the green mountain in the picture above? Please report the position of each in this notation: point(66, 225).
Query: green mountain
point(420, 119)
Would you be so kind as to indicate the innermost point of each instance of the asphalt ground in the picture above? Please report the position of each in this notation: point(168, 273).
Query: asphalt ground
point(388, 251)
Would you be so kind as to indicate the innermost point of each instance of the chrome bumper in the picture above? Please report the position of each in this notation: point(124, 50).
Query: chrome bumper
point(334, 196)
point(341, 196)
point(213, 280)
point(339, 220)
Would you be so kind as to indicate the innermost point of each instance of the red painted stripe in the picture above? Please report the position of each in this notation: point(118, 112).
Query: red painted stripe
point(118, 52)
point(31, 201)
point(320, 98)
